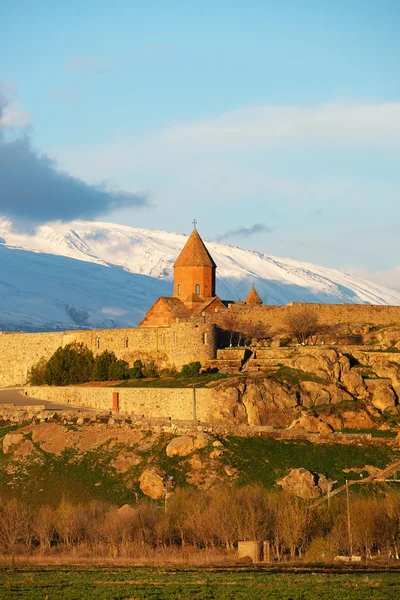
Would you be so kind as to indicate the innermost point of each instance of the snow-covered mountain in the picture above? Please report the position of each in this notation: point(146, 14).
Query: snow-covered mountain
point(101, 275)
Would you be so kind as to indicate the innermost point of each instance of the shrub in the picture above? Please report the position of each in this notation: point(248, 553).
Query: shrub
point(37, 374)
point(121, 370)
point(104, 366)
point(69, 365)
point(150, 369)
point(135, 373)
point(191, 370)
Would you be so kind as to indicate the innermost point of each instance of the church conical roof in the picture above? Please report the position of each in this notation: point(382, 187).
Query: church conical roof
point(194, 253)
point(253, 297)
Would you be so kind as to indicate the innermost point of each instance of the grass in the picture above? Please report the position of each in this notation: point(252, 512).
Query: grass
point(8, 429)
point(376, 433)
point(46, 478)
point(264, 460)
point(292, 376)
point(392, 350)
point(212, 583)
point(176, 382)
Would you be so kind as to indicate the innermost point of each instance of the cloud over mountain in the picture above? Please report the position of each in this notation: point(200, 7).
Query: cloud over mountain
point(34, 191)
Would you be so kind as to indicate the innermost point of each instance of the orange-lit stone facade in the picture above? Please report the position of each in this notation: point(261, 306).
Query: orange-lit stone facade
point(194, 280)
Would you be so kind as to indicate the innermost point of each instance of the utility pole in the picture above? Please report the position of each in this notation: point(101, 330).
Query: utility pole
point(330, 486)
point(349, 521)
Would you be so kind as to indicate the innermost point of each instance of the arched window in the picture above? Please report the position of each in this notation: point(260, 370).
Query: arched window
point(163, 339)
point(97, 342)
point(126, 342)
point(197, 289)
point(179, 289)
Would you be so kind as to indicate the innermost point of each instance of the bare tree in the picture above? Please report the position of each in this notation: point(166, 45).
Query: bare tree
point(301, 323)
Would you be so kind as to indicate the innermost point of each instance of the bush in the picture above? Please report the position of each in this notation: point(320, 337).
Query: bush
point(69, 365)
point(135, 373)
point(104, 366)
point(37, 374)
point(150, 369)
point(172, 372)
point(191, 370)
point(121, 371)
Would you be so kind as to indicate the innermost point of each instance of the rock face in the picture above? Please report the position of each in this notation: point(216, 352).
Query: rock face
point(259, 401)
point(185, 444)
point(304, 484)
point(152, 482)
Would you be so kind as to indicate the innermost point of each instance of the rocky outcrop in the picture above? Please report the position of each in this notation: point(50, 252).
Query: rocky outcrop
point(185, 444)
point(388, 337)
point(259, 401)
point(10, 440)
point(311, 423)
point(305, 484)
point(316, 394)
point(152, 482)
point(382, 395)
point(333, 366)
point(328, 364)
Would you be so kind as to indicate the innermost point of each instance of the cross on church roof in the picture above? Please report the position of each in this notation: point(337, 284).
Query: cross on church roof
point(194, 223)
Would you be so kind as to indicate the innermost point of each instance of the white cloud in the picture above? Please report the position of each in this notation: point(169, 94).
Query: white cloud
point(11, 114)
point(389, 278)
point(241, 132)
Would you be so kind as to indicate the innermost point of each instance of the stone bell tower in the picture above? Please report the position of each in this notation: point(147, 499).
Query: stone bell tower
point(194, 272)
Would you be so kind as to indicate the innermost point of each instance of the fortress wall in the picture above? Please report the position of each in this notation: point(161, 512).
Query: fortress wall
point(329, 314)
point(175, 403)
point(166, 346)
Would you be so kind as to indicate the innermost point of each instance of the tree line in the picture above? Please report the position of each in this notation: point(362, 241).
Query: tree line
point(75, 363)
point(194, 521)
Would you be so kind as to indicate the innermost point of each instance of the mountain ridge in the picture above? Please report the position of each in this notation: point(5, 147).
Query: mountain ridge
point(101, 275)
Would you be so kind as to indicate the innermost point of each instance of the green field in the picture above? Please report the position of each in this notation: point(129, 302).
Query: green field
point(220, 583)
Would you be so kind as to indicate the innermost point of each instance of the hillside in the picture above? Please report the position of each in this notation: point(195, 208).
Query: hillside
point(103, 275)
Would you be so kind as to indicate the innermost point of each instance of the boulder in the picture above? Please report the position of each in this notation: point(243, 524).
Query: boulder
point(325, 363)
point(315, 394)
point(152, 482)
point(125, 511)
point(388, 337)
point(304, 484)
point(185, 444)
point(382, 395)
point(216, 453)
point(390, 370)
point(259, 401)
point(311, 423)
point(11, 439)
point(357, 419)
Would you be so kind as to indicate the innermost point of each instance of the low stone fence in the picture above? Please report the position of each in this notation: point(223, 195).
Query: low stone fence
point(170, 403)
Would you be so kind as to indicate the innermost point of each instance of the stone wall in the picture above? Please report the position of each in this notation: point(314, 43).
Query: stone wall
point(166, 346)
point(328, 314)
point(184, 404)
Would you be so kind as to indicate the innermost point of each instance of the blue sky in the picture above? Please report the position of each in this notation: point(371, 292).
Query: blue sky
point(281, 114)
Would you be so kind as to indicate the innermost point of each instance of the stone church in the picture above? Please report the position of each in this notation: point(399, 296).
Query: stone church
point(194, 288)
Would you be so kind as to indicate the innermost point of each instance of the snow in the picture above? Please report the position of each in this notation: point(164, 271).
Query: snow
point(100, 275)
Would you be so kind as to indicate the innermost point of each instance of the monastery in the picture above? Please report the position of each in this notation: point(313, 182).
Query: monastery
point(194, 288)
point(190, 325)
